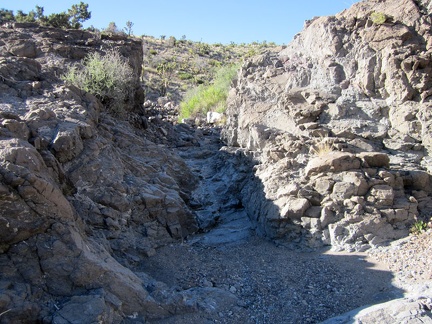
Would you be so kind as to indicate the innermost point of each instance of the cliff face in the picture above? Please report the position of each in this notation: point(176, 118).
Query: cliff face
point(353, 86)
point(83, 195)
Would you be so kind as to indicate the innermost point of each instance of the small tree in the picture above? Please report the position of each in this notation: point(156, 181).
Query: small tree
point(23, 17)
point(166, 70)
point(39, 13)
point(78, 14)
point(172, 41)
point(128, 28)
point(112, 29)
point(6, 15)
point(71, 19)
point(58, 20)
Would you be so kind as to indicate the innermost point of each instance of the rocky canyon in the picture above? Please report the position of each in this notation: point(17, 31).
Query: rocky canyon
point(299, 209)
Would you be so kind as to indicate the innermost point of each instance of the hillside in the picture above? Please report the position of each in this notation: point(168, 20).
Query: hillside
point(302, 208)
point(171, 66)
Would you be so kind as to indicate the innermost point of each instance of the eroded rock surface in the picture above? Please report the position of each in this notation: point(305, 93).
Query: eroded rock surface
point(84, 195)
point(339, 122)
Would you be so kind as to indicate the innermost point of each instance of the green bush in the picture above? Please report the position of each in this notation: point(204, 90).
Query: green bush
point(6, 15)
point(419, 227)
point(202, 49)
point(108, 77)
point(378, 18)
point(213, 97)
point(184, 76)
point(58, 20)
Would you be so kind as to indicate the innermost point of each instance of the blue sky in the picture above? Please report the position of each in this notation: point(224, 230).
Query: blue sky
point(216, 21)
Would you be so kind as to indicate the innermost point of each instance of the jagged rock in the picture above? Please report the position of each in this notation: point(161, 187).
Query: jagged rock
point(360, 87)
point(86, 309)
point(84, 195)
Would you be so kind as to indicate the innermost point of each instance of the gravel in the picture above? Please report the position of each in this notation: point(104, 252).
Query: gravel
point(410, 259)
point(276, 284)
point(273, 284)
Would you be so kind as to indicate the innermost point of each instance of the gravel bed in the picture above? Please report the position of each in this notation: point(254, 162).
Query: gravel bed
point(272, 283)
point(410, 259)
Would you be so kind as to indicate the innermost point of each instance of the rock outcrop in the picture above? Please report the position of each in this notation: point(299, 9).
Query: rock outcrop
point(84, 196)
point(340, 123)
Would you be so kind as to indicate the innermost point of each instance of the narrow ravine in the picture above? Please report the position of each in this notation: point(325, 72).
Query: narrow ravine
point(215, 201)
point(265, 283)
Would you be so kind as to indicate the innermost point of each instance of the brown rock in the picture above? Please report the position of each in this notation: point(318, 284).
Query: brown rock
point(23, 48)
point(374, 159)
point(332, 162)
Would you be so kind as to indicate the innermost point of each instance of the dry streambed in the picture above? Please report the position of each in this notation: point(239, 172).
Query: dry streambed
point(257, 281)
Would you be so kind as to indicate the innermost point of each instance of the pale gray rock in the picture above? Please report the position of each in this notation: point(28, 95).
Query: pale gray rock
point(214, 117)
point(343, 118)
point(395, 311)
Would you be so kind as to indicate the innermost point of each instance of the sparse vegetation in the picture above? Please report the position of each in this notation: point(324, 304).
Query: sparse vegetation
point(108, 77)
point(213, 97)
point(128, 28)
point(419, 227)
point(196, 63)
point(73, 18)
point(323, 147)
point(378, 18)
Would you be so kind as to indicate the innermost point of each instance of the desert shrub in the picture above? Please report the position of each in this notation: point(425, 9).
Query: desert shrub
point(185, 76)
point(323, 146)
point(419, 227)
point(213, 97)
point(215, 63)
point(112, 29)
point(23, 17)
point(378, 18)
point(202, 49)
point(109, 77)
point(58, 20)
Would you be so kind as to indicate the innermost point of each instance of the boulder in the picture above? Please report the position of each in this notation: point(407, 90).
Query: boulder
point(214, 117)
point(374, 159)
point(332, 162)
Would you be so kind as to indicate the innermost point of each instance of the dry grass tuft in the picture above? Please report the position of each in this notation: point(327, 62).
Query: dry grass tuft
point(324, 146)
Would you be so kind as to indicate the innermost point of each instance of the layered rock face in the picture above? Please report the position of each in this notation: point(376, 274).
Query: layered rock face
point(83, 196)
point(340, 122)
